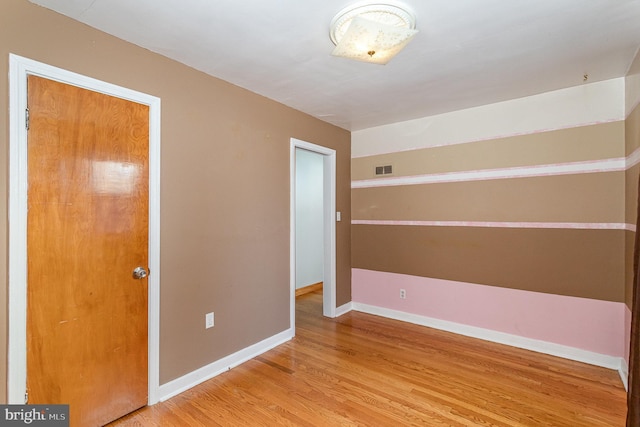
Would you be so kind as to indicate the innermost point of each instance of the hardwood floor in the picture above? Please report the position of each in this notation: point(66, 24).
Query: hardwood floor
point(308, 289)
point(365, 370)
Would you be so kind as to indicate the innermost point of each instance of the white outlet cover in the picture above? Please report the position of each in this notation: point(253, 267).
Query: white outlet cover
point(209, 320)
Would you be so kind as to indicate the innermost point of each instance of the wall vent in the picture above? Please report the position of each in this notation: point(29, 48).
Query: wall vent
point(384, 170)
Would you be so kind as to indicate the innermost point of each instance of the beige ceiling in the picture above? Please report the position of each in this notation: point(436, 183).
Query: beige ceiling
point(467, 53)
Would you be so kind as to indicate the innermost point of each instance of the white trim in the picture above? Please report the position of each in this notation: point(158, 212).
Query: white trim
point(17, 328)
point(595, 166)
point(623, 371)
point(503, 224)
point(329, 205)
point(539, 346)
point(19, 68)
point(192, 379)
point(633, 159)
point(155, 130)
point(344, 309)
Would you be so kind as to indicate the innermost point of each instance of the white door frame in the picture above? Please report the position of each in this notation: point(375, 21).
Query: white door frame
point(19, 69)
point(329, 215)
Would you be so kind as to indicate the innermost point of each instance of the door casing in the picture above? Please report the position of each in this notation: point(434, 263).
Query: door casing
point(329, 215)
point(19, 68)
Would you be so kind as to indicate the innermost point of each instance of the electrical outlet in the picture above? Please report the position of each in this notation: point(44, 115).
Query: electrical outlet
point(208, 320)
point(403, 294)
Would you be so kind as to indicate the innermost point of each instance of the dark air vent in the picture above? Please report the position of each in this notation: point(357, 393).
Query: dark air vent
point(384, 170)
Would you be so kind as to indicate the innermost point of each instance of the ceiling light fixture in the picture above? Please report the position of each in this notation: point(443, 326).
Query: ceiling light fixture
point(372, 32)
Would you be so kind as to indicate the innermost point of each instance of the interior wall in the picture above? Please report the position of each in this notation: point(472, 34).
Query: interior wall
point(508, 217)
point(309, 218)
point(224, 188)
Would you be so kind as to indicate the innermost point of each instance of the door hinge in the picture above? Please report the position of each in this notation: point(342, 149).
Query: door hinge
point(26, 118)
point(26, 397)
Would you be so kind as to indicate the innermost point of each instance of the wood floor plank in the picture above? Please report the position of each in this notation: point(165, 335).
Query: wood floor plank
point(364, 370)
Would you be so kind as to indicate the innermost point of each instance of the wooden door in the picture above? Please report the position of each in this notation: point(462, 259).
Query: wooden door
point(87, 230)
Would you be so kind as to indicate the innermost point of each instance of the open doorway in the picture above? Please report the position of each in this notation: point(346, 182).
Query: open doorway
point(327, 236)
point(309, 222)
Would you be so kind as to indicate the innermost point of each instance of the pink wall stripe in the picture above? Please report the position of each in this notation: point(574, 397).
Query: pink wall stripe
point(591, 325)
point(563, 225)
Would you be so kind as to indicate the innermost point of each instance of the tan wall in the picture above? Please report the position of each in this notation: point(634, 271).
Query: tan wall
point(632, 143)
point(566, 145)
point(579, 263)
point(561, 198)
point(225, 188)
point(533, 249)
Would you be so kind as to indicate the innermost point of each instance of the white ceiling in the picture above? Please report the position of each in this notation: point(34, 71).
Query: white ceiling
point(467, 53)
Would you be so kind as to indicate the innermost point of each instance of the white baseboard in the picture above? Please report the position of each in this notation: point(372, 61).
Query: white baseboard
point(566, 352)
point(624, 373)
point(344, 309)
point(192, 379)
point(201, 375)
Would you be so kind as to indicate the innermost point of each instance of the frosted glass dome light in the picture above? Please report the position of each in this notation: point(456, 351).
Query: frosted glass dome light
point(372, 32)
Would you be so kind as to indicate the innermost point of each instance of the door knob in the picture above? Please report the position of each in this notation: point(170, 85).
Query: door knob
point(140, 273)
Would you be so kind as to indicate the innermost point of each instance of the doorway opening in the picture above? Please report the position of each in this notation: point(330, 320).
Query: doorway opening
point(309, 222)
point(328, 231)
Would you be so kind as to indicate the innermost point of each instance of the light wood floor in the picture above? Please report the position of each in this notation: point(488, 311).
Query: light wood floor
point(365, 370)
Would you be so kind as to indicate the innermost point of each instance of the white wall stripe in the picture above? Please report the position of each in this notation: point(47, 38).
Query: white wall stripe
point(595, 166)
point(599, 102)
point(493, 224)
point(632, 88)
point(484, 139)
point(633, 159)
